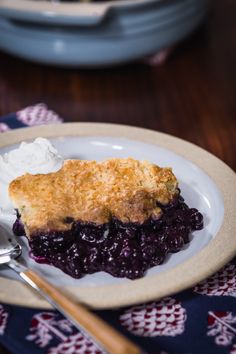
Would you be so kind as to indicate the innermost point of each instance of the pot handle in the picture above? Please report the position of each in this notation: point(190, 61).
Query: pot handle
point(62, 13)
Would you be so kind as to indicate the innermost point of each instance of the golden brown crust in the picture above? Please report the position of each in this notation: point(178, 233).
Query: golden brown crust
point(92, 191)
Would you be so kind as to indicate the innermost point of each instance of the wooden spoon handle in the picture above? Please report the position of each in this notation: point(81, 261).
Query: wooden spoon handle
point(82, 318)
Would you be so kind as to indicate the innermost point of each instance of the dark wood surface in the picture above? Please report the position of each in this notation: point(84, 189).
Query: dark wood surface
point(192, 96)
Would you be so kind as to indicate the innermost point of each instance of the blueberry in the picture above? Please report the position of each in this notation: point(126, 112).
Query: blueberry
point(179, 216)
point(158, 259)
point(18, 228)
point(196, 219)
point(147, 252)
point(175, 242)
point(126, 252)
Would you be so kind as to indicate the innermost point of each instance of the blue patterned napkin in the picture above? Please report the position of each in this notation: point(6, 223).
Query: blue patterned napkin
point(201, 320)
point(33, 115)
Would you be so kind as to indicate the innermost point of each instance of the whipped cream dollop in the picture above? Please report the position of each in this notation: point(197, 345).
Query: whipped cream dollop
point(40, 156)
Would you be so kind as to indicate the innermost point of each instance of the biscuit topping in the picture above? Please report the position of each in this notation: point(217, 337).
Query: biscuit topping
point(90, 191)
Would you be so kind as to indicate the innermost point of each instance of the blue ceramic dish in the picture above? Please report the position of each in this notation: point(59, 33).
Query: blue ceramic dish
point(95, 34)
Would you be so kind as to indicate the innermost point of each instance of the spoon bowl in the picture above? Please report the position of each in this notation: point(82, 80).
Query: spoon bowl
point(9, 247)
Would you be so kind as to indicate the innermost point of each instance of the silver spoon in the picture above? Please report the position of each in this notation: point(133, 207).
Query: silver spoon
point(108, 338)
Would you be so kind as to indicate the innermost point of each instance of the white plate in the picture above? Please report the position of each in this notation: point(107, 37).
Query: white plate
point(211, 193)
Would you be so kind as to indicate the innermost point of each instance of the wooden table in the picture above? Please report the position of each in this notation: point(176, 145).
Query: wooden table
point(192, 96)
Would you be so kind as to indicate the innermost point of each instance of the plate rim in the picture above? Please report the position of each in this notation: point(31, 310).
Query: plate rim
point(210, 259)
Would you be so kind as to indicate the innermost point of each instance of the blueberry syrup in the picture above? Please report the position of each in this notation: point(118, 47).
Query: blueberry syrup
point(123, 250)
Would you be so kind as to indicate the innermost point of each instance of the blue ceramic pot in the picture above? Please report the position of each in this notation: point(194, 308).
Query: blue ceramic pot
point(95, 34)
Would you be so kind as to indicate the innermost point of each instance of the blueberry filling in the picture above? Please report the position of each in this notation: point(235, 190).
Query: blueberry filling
point(123, 250)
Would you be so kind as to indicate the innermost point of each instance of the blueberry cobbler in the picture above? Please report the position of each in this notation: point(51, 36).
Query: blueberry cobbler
point(121, 216)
